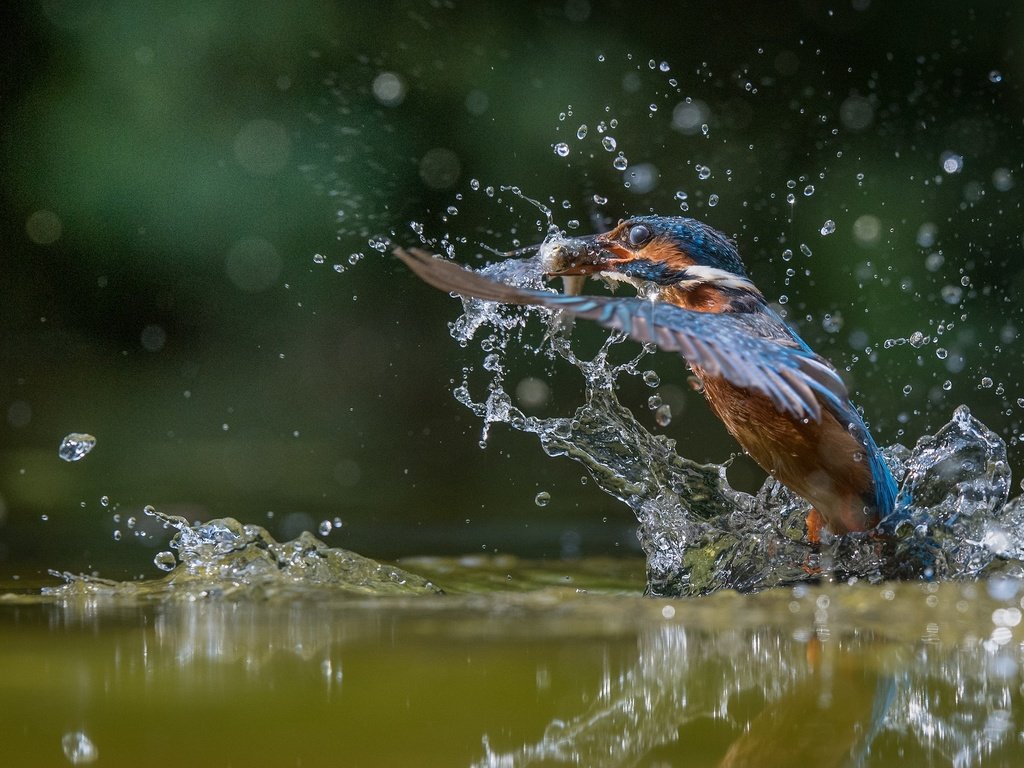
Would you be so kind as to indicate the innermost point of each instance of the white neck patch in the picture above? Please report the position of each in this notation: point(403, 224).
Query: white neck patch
point(699, 275)
point(691, 278)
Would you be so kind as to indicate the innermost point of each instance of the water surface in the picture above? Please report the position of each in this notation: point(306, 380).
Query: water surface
point(516, 663)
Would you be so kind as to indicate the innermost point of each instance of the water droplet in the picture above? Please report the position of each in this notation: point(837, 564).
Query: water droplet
point(907, 389)
point(562, 149)
point(581, 132)
point(451, 210)
point(703, 172)
point(609, 143)
point(600, 200)
point(942, 353)
point(75, 445)
point(326, 526)
point(1002, 179)
point(828, 228)
point(806, 250)
point(654, 402)
point(986, 382)
point(542, 499)
point(995, 76)
point(951, 294)
point(104, 501)
point(78, 748)
point(165, 560)
point(663, 66)
point(947, 385)
point(808, 190)
point(620, 163)
point(712, 200)
point(787, 254)
point(318, 258)
point(651, 378)
point(952, 162)
point(791, 198)
point(918, 339)
point(663, 416)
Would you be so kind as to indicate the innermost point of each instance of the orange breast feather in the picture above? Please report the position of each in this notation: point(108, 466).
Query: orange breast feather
point(821, 461)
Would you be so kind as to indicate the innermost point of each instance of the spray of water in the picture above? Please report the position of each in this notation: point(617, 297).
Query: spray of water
point(953, 519)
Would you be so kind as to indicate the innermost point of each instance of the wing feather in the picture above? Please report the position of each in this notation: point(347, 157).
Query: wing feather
point(720, 344)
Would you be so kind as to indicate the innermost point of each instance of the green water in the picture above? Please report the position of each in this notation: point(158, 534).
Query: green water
point(518, 663)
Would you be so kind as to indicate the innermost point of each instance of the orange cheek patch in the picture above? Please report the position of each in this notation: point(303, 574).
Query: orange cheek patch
point(703, 298)
point(661, 250)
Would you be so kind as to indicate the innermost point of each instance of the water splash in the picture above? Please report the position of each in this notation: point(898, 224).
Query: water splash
point(698, 533)
point(224, 558)
point(78, 748)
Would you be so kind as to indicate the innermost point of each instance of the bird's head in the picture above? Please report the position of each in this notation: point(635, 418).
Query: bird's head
point(664, 250)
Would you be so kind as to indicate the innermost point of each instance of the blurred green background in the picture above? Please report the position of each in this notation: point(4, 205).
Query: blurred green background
point(181, 180)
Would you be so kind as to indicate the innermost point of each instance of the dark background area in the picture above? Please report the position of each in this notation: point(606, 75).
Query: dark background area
point(179, 182)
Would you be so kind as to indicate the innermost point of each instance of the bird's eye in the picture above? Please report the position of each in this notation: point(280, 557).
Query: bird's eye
point(639, 234)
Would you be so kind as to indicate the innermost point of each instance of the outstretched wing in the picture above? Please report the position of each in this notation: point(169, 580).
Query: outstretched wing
point(794, 378)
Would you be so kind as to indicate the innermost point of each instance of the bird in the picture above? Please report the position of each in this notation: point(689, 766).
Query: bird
point(786, 406)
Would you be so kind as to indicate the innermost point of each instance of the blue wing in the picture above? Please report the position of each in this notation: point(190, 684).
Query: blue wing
point(795, 379)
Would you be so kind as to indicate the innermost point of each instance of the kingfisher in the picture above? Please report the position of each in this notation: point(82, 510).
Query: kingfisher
point(785, 405)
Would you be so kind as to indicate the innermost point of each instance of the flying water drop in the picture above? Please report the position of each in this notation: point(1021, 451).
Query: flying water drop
point(75, 445)
point(663, 415)
point(165, 560)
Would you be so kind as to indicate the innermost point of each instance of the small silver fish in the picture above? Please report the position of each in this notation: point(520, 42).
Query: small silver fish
point(559, 253)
